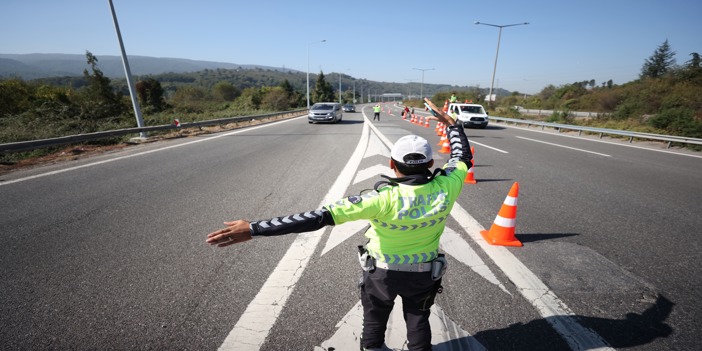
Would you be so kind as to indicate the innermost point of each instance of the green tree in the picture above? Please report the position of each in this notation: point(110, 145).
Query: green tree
point(187, 94)
point(250, 99)
point(15, 97)
point(695, 62)
point(287, 87)
point(323, 91)
point(98, 99)
point(693, 68)
point(295, 98)
point(150, 94)
point(276, 99)
point(188, 99)
point(662, 60)
point(225, 91)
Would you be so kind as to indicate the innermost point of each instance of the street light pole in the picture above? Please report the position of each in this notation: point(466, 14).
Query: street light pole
point(421, 90)
point(308, 70)
point(353, 81)
point(499, 36)
point(409, 88)
point(128, 74)
point(354, 91)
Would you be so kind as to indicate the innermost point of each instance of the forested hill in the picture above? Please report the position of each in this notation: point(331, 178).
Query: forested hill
point(33, 66)
point(66, 69)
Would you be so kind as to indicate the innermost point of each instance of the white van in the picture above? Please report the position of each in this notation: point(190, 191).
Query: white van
point(469, 115)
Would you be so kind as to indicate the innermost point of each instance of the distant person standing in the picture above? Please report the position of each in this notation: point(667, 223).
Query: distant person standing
point(453, 98)
point(376, 112)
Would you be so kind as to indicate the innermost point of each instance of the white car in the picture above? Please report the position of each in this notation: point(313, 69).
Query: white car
point(469, 115)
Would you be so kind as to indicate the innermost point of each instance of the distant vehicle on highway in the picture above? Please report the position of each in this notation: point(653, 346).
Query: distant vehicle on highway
point(349, 108)
point(469, 115)
point(325, 112)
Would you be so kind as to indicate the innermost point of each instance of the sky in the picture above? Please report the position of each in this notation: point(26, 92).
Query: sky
point(434, 42)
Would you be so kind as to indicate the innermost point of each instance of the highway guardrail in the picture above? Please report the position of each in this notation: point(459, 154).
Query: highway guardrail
point(71, 139)
point(602, 131)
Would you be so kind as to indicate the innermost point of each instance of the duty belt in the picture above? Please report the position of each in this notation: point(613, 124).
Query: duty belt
point(406, 267)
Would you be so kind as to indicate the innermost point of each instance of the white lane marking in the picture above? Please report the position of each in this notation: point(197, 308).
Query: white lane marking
point(489, 147)
point(375, 147)
point(373, 172)
point(603, 141)
point(340, 233)
point(549, 306)
point(565, 147)
point(445, 334)
point(251, 330)
point(454, 245)
point(216, 136)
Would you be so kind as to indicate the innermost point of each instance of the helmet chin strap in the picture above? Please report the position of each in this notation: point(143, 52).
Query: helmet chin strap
point(413, 179)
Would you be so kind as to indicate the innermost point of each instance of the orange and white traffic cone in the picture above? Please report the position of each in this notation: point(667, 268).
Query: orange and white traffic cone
point(502, 230)
point(437, 130)
point(426, 123)
point(445, 106)
point(470, 177)
point(445, 147)
point(442, 139)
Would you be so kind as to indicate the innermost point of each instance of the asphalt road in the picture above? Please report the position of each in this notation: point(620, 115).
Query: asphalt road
point(109, 252)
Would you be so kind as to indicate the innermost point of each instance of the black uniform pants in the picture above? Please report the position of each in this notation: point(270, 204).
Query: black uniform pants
point(378, 293)
point(376, 115)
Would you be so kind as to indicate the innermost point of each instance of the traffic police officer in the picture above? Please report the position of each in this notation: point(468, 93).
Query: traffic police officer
point(407, 215)
point(376, 112)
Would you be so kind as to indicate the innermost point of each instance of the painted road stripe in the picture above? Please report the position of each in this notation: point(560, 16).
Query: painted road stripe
point(251, 330)
point(604, 141)
point(549, 306)
point(445, 334)
point(563, 146)
point(489, 147)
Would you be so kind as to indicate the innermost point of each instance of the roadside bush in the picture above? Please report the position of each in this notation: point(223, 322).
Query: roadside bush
point(563, 117)
point(678, 121)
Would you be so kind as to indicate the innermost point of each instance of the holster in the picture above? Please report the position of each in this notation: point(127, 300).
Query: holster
point(438, 267)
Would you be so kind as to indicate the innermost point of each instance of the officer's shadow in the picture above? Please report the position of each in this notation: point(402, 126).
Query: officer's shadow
point(634, 330)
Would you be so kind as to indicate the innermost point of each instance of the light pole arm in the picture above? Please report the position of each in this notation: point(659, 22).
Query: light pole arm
point(497, 52)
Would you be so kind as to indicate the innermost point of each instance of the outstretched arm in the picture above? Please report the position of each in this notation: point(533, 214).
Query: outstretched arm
point(241, 230)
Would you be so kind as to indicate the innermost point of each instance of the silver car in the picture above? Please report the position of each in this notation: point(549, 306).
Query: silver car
point(325, 112)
